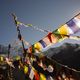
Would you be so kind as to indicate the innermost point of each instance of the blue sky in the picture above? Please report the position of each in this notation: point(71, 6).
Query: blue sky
point(45, 14)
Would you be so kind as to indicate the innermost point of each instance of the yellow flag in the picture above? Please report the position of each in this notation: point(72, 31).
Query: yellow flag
point(63, 29)
point(30, 25)
point(25, 69)
point(42, 76)
point(38, 46)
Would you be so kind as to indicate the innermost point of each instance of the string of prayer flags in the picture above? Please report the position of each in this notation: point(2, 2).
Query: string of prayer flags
point(58, 35)
point(63, 32)
point(70, 27)
point(45, 42)
point(30, 25)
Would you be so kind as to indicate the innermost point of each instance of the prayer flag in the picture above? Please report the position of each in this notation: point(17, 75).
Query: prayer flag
point(31, 75)
point(42, 76)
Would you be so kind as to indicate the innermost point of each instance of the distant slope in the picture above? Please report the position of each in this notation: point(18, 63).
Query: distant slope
point(68, 54)
point(3, 49)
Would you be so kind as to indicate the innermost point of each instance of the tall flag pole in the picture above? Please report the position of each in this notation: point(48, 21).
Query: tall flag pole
point(9, 46)
point(19, 35)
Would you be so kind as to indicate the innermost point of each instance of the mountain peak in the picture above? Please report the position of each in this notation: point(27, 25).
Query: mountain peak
point(67, 54)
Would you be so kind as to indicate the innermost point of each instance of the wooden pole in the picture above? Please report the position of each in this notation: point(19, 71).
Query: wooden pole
point(19, 35)
point(9, 46)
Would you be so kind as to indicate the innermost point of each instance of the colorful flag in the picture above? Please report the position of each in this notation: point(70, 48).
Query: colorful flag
point(25, 69)
point(38, 46)
point(31, 49)
point(36, 75)
point(31, 75)
point(46, 40)
point(43, 43)
point(65, 30)
point(42, 76)
point(72, 24)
